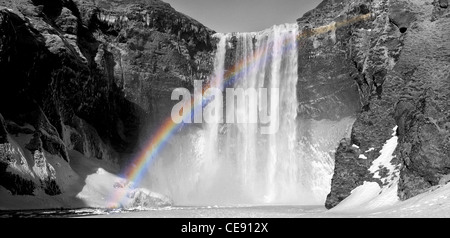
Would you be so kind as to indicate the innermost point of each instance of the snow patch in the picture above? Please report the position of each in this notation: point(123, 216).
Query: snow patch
point(384, 160)
point(361, 156)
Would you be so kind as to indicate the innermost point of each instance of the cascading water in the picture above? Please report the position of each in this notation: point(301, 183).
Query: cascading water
point(234, 163)
point(267, 164)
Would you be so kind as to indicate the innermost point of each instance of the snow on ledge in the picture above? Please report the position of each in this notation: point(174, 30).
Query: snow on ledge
point(387, 154)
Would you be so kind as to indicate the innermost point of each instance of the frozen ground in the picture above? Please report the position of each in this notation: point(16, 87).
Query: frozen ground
point(88, 183)
point(434, 204)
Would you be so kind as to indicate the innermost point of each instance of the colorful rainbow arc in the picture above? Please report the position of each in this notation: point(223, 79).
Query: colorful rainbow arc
point(137, 170)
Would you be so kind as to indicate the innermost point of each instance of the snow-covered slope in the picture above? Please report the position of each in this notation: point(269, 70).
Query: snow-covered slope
point(432, 204)
point(371, 200)
point(84, 183)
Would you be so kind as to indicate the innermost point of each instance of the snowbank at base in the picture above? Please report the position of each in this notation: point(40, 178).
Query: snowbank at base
point(434, 203)
point(371, 200)
point(101, 185)
point(370, 196)
point(360, 196)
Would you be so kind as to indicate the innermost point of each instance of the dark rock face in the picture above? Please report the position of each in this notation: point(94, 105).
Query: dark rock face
point(156, 50)
point(326, 89)
point(399, 87)
point(90, 76)
point(49, 81)
point(425, 145)
point(16, 184)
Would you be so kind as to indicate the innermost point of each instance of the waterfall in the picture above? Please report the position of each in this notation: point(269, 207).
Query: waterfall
point(212, 155)
point(234, 163)
point(266, 166)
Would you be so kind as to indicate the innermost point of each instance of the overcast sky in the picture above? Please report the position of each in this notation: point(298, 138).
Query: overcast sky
point(243, 15)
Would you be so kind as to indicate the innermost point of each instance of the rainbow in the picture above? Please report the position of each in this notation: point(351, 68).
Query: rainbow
point(137, 170)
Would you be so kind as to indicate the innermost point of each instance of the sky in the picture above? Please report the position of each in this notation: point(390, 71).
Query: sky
point(243, 15)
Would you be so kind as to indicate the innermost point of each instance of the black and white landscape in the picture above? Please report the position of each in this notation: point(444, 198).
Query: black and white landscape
point(358, 126)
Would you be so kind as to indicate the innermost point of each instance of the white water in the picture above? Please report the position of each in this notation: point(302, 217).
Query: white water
point(217, 164)
point(267, 164)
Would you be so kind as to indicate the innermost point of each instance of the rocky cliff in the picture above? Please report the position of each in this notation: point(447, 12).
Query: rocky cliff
point(325, 87)
point(155, 50)
point(402, 68)
point(87, 76)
